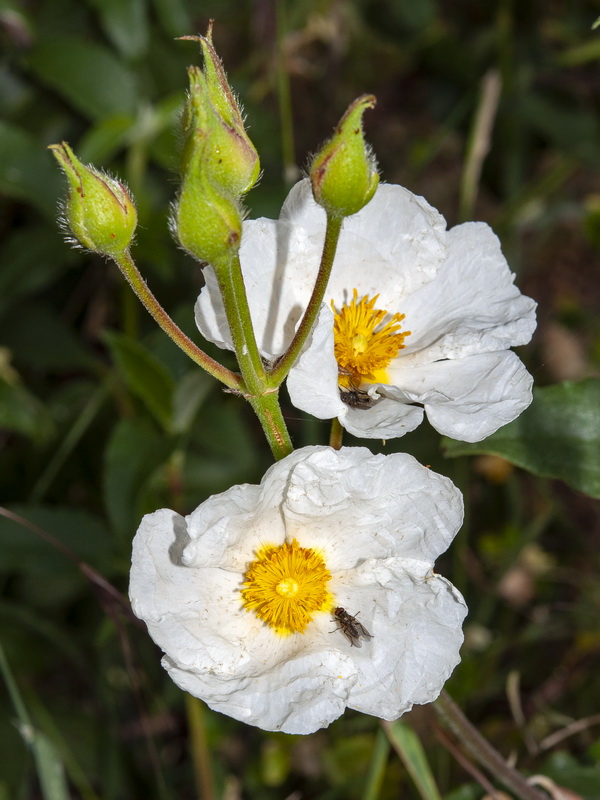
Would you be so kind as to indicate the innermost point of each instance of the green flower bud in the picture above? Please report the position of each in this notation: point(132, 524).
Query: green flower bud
point(344, 173)
point(213, 121)
point(206, 221)
point(99, 210)
point(228, 158)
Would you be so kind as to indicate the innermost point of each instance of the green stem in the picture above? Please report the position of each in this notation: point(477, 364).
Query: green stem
point(337, 434)
point(139, 286)
point(481, 750)
point(235, 301)
point(267, 409)
point(201, 758)
point(263, 398)
point(287, 360)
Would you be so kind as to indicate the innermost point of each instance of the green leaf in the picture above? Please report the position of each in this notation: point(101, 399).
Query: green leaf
point(21, 412)
point(39, 337)
point(134, 452)
point(174, 17)
point(191, 392)
point(408, 746)
point(101, 142)
point(126, 25)
point(145, 376)
point(87, 75)
point(25, 551)
point(49, 767)
point(558, 436)
point(566, 772)
point(31, 259)
point(27, 171)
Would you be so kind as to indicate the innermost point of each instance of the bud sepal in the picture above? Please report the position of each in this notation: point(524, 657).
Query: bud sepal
point(344, 174)
point(207, 222)
point(213, 121)
point(99, 211)
point(223, 152)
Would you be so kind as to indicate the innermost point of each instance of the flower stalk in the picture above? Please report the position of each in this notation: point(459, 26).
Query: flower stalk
point(237, 310)
point(287, 360)
point(482, 750)
point(267, 408)
point(127, 266)
point(336, 434)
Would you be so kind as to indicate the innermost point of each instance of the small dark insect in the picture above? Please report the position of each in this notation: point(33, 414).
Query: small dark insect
point(356, 398)
point(352, 629)
point(353, 396)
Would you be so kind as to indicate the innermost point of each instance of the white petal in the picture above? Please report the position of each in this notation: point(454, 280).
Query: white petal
point(210, 313)
point(382, 505)
point(280, 260)
point(298, 695)
point(395, 244)
point(195, 614)
point(470, 398)
point(227, 529)
point(472, 306)
point(387, 419)
point(312, 382)
point(187, 576)
point(415, 618)
point(392, 247)
point(279, 267)
point(179, 604)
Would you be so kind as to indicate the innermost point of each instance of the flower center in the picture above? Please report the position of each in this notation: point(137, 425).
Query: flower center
point(364, 345)
point(286, 585)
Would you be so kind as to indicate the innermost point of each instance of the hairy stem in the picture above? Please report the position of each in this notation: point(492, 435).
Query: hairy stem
point(139, 286)
point(482, 751)
point(287, 360)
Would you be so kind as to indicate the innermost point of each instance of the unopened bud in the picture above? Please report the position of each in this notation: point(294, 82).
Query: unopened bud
point(225, 155)
point(207, 222)
point(99, 210)
point(344, 173)
point(213, 120)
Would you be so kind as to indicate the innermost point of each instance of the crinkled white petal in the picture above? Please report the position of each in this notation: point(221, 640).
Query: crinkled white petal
point(469, 309)
point(313, 380)
point(352, 505)
point(392, 247)
point(472, 306)
point(279, 265)
point(210, 312)
point(467, 399)
point(378, 521)
point(300, 694)
point(415, 618)
point(454, 287)
point(387, 419)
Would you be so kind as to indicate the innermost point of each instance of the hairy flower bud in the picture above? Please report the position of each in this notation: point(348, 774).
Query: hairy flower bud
point(99, 210)
point(344, 173)
point(228, 157)
point(213, 122)
point(206, 221)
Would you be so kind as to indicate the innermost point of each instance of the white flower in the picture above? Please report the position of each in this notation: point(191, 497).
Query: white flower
point(396, 266)
point(240, 594)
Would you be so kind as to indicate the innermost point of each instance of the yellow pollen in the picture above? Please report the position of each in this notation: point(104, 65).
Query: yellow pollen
point(286, 585)
point(364, 344)
point(287, 588)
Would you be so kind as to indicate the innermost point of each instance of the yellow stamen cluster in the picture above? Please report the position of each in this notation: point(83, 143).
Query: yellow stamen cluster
point(363, 344)
point(286, 585)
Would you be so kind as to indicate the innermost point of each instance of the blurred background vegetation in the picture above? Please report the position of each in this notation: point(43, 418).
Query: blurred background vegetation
point(102, 419)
